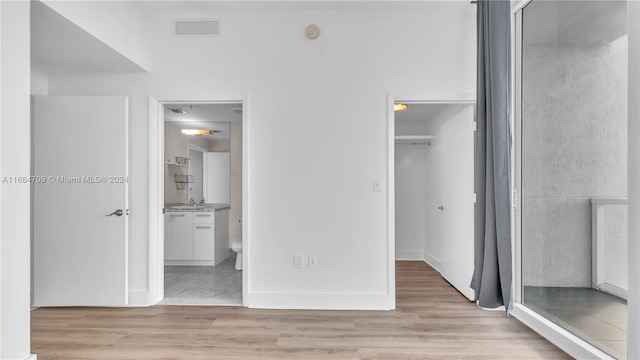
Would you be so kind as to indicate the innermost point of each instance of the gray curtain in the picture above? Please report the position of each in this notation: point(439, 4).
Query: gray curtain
point(492, 269)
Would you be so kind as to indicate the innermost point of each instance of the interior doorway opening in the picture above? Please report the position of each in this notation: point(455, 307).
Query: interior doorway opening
point(433, 161)
point(201, 196)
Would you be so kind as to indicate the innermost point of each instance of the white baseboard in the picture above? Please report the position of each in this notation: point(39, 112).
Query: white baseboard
point(571, 344)
point(409, 255)
point(319, 301)
point(432, 260)
point(32, 357)
point(138, 298)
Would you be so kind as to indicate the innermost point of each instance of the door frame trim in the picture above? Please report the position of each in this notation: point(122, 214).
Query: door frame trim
point(410, 98)
point(156, 185)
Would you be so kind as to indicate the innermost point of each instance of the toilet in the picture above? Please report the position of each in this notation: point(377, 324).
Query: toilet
point(236, 246)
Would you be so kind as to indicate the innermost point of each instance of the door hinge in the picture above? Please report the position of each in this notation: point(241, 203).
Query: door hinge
point(475, 126)
point(514, 198)
point(474, 198)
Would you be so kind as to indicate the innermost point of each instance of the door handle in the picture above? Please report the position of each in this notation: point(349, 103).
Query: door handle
point(441, 207)
point(118, 212)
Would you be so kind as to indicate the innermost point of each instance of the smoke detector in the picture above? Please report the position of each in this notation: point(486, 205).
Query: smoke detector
point(312, 32)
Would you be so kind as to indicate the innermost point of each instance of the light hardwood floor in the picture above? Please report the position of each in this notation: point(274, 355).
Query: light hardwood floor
point(432, 321)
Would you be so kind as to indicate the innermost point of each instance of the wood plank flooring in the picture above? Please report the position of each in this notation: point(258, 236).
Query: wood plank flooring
point(432, 321)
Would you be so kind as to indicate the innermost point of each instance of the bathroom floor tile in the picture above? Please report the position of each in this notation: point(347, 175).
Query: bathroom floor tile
point(204, 285)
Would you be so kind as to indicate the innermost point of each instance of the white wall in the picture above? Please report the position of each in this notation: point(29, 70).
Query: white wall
point(39, 82)
point(14, 161)
point(411, 177)
point(221, 146)
point(411, 187)
point(122, 25)
point(317, 130)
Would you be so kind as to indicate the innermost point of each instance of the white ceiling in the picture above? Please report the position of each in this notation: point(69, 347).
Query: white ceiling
point(574, 23)
point(205, 117)
point(59, 46)
point(295, 5)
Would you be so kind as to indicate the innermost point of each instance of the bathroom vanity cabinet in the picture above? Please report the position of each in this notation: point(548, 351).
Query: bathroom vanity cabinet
point(196, 237)
point(178, 235)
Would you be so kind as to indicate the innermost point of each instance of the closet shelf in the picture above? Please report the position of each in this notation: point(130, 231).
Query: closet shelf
point(414, 139)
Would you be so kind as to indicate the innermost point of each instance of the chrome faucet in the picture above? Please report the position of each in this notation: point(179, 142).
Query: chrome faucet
point(192, 202)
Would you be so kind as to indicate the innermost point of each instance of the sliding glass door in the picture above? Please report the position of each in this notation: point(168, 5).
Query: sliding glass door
point(572, 162)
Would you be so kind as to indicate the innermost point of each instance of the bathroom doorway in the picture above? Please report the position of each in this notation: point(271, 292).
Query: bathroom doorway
point(202, 203)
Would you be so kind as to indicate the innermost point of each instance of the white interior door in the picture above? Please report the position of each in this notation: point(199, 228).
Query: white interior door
point(216, 177)
point(81, 164)
point(457, 164)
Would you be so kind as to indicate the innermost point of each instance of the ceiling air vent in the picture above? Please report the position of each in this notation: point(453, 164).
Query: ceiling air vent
point(197, 27)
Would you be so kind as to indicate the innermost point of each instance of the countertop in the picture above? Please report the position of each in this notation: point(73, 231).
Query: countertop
point(186, 207)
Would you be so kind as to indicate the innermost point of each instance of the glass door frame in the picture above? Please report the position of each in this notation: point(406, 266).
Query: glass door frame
point(556, 334)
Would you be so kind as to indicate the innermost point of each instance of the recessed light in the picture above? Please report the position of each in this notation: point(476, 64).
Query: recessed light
point(178, 110)
point(199, 132)
point(400, 107)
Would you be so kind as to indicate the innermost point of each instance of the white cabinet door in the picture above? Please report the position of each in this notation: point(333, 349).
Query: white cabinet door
point(178, 236)
point(203, 239)
point(216, 169)
point(203, 236)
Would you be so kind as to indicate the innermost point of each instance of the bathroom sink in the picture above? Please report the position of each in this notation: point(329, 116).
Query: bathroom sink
point(188, 207)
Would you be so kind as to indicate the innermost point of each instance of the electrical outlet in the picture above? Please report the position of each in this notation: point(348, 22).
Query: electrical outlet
point(313, 262)
point(298, 262)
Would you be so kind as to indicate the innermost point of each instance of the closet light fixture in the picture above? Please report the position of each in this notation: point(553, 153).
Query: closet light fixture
point(199, 132)
point(178, 110)
point(400, 107)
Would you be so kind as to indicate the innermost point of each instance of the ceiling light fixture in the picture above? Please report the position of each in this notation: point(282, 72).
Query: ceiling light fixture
point(199, 132)
point(178, 110)
point(400, 107)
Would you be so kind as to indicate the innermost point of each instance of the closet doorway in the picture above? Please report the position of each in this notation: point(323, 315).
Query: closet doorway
point(434, 195)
